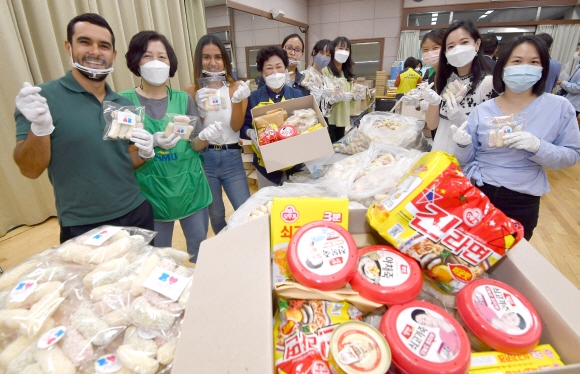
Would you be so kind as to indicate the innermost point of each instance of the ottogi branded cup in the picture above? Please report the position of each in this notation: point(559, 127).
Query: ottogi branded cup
point(356, 347)
point(425, 339)
point(498, 317)
point(287, 131)
point(386, 276)
point(322, 255)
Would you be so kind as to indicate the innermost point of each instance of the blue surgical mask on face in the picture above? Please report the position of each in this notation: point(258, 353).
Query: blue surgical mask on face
point(321, 61)
point(519, 78)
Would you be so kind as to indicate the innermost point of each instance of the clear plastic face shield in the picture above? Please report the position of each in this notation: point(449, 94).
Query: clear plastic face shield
point(92, 73)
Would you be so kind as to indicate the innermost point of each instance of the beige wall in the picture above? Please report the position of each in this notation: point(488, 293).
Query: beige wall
point(216, 16)
point(293, 9)
point(357, 19)
point(251, 30)
point(424, 3)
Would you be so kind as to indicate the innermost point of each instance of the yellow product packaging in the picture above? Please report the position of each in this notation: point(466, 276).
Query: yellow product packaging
point(489, 360)
point(436, 216)
point(315, 127)
point(288, 214)
point(302, 332)
point(525, 367)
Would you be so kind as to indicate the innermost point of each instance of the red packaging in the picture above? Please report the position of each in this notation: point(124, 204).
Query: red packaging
point(287, 131)
point(436, 216)
point(425, 339)
point(386, 276)
point(498, 316)
point(268, 134)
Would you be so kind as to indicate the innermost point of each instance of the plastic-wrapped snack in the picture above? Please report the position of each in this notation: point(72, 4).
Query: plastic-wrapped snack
point(499, 126)
point(355, 141)
point(436, 216)
point(121, 120)
point(302, 332)
point(93, 328)
point(268, 134)
point(359, 91)
point(180, 125)
point(108, 272)
point(20, 344)
point(10, 277)
point(215, 101)
point(102, 244)
point(454, 89)
point(302, 119)
point(312, 78)
point(395, 129)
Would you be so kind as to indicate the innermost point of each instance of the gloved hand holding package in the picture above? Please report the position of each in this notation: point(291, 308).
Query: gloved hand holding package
point(438, 217)
point(121, 120)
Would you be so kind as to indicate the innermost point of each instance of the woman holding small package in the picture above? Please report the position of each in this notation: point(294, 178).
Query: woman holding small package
point(272, 63)
point(340, 66)
point(510, 169)
point(222, 158)
point(174, 181)
point(463, 81)
point(314, 78)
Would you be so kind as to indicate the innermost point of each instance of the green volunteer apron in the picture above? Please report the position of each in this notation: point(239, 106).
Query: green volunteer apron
point(174, 181)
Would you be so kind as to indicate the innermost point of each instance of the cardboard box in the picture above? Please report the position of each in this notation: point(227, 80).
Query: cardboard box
point(298, 149)
point(228, 324)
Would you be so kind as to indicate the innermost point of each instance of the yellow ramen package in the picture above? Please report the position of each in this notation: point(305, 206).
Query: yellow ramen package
point(522, 368)
point(436, 216)
point(302, 332)
point(492, 360)
point(288, 214)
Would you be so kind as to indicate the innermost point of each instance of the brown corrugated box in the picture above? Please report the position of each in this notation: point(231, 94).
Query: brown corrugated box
point(298, 149)
point(228, 324)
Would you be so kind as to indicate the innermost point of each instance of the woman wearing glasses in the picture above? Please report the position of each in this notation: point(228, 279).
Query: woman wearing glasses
point(294, 47)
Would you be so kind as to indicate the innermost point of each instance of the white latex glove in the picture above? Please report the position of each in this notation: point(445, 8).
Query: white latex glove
point(251, 133)
point(201, 96)
point(144, 141)
point(359, 97)
point(430, 96)
point(34, 108)
point(242, 92)
point(522, 140)
point(460, 136)
point(316, 92)
point(347, 96)
point(159, 140)
point(410, 100)
point(423, 105)
point(326, 92)
point(212, 133)
point(455, 111)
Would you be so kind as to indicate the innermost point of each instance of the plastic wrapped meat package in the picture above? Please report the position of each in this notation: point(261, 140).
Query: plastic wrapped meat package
point(94, 314)
point(121, 120)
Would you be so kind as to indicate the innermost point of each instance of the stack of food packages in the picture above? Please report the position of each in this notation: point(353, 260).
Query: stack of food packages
point(104, 302)
point(421, 304)
point(275, 125)
point(387, 128)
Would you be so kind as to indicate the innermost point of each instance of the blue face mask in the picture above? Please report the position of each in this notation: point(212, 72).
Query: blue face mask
point(519, 78)
point(321, 61)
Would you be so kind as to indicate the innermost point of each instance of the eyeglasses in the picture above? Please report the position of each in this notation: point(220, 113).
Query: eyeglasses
point(296, 50)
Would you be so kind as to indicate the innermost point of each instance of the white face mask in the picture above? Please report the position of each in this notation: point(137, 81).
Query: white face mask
point(276, 80)
point(461, 55)
point(341, 56)
point(96, 74)
point(155, 72)
point(213, 73)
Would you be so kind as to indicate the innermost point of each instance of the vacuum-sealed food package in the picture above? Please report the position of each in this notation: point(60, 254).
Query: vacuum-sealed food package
point(499, 126)
point(121, 120)
point(215, 100)
point(180, 125)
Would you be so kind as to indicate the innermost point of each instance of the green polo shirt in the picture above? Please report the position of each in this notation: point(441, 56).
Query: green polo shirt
point(93, 179)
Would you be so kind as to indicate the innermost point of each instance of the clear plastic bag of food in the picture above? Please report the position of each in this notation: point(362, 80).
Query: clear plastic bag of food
point(395, 129)
point(454, 88)
point(121, 120)
point(302, 120)
point(180, 125)
point(102, 244)
point(215, 101)
point(355, 141)
point(499, 126)
point(311, 79)
point(359, 91)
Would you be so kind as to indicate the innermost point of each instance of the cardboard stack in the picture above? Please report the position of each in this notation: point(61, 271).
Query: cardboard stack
point(381, 82)
point(247, 157)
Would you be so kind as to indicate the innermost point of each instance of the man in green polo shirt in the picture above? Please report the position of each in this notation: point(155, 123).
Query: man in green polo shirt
point(60, 126)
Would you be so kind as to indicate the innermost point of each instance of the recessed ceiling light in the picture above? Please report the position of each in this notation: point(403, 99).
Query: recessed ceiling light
point(489, 12)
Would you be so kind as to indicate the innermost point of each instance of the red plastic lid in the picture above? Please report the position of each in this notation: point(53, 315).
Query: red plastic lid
point(386, 276)
point(425, 339)
point(500, 316)
point(322, 255)
point(287, 131)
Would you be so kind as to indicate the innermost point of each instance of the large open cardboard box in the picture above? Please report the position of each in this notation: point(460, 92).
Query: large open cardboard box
point(298, 149)
point(228, 325)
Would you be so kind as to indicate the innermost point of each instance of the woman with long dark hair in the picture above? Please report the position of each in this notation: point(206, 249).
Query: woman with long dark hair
point(460, 59)
point(222, 158)
point(508, 166)
point(340, 66)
